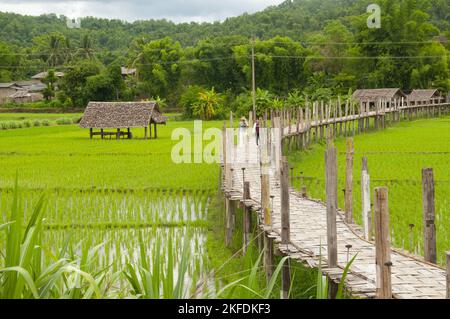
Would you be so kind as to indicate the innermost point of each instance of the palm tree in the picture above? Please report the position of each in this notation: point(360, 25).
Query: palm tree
point(207, 104)
point(139, 44)
point(54, 51)
point(86, 50)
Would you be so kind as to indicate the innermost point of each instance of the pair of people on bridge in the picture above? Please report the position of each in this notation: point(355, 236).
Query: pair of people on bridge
point(243, 130)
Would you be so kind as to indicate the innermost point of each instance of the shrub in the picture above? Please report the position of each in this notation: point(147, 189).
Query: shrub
point(37, 123)
point(64, 121)
point(27, 123)
point(3, 125)
point(76, 120)
point(189, 98)
point(12, 125)
point(45, 123)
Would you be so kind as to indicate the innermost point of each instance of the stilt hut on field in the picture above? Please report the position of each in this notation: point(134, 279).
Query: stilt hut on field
point(373, 96)
point(418, 97)
point(121, 116)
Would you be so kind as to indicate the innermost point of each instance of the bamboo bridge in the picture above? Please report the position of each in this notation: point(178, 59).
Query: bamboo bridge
point(316, 233)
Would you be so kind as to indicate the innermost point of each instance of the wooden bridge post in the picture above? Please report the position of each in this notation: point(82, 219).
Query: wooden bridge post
point(382, 244)
point(365, 200)
point(267, 211)
point(429, 216)
point(322, 129)
point(224, 155)
point(247, 222)
point(360, 119)
point(331, 192)
point(284, 183)
point(349, 182)
point(230, 153)
point(345, 117)
point(285, 225)
point(367, 105)
point(448, 274)
point(230, 208)
point(340, 114)
point(316, 120)
point(278, 145)
point(354, 119)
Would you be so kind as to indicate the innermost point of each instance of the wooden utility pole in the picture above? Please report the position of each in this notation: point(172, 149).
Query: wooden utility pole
point(382, 244)
point(429, 216)
point(253, 79)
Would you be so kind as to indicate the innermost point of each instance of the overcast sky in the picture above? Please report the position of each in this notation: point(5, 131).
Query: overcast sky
point(131, 10)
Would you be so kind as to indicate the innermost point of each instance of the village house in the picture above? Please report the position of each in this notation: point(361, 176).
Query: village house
point(102, 116)
point(42, 75)
point(23, 96)
point(6, 90)
point(127, 72)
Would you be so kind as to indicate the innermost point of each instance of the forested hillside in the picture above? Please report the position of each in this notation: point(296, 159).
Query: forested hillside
point(317, 48)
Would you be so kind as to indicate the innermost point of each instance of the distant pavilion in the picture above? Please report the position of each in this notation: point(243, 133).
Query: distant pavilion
point(122, 117)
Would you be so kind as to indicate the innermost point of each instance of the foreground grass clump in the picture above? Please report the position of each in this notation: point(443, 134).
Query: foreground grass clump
point(396, 158)
point(95, 262)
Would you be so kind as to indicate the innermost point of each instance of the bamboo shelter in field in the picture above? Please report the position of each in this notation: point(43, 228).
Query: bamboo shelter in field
point(371, 96)
point(120, 116)
point(418, 97)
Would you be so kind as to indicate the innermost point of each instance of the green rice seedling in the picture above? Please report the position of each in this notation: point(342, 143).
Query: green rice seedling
point(64, 121)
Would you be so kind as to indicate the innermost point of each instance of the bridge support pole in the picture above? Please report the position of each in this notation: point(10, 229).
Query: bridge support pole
point(331, 191)
point(429, 216)
point(448, 274)
point(247, 222)
point(230, 207)
point(268, 257)
point(365, 200)
point(349, 182)
point(382, 244)
point(285, 225)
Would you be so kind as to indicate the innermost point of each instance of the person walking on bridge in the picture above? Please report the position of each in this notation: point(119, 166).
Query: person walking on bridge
point(243, 127)
point(256, 129)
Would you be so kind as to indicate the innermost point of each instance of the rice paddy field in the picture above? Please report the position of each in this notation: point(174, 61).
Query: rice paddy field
point(396, 157)
point(119, 219)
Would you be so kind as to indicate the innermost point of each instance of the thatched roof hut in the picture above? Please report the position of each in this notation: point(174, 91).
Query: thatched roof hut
point(43, 75)
point(374, 95)
point(425, 96)
point(121, 115)
point(24, 96)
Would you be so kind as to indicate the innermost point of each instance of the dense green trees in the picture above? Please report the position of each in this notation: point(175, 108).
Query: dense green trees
point(315, 49)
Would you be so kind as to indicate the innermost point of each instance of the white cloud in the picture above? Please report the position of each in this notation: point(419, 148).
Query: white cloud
point(176, 10)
